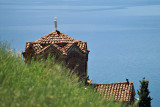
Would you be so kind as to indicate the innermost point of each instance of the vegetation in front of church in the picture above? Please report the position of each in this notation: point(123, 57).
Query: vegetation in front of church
point(43, 84)
point(49, 84)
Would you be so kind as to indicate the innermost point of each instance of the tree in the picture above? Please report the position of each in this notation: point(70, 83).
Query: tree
point(143, 92)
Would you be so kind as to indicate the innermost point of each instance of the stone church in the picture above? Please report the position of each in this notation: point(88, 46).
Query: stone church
point(73, 53)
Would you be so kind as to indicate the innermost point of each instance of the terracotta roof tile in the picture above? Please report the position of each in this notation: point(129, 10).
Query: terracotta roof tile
point(61, 42)
point(120, 91)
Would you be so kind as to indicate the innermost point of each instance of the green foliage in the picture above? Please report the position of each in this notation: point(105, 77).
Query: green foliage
point(144, 98)
point(43, 84)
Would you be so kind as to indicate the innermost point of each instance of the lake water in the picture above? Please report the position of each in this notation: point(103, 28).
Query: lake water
point(123, 36)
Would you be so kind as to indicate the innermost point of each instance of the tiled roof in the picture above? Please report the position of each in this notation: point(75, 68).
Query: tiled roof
point(59, 41)
point(122, 91)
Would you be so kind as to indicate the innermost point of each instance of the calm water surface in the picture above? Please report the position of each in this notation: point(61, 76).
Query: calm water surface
point(123, 37)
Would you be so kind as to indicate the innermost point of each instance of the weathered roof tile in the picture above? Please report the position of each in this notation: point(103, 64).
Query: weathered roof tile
point(120, 91)
point(54, 38)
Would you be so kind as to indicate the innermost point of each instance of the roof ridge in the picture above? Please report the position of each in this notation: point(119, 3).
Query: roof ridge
point(44, 48)
point(112, 83)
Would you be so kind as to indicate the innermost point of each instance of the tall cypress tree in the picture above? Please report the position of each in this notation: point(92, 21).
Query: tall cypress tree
point(143, 92)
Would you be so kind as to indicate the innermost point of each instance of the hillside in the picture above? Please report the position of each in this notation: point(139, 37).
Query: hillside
point(42, 84)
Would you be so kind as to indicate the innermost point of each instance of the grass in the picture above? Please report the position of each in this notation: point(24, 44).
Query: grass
point(43, 84)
